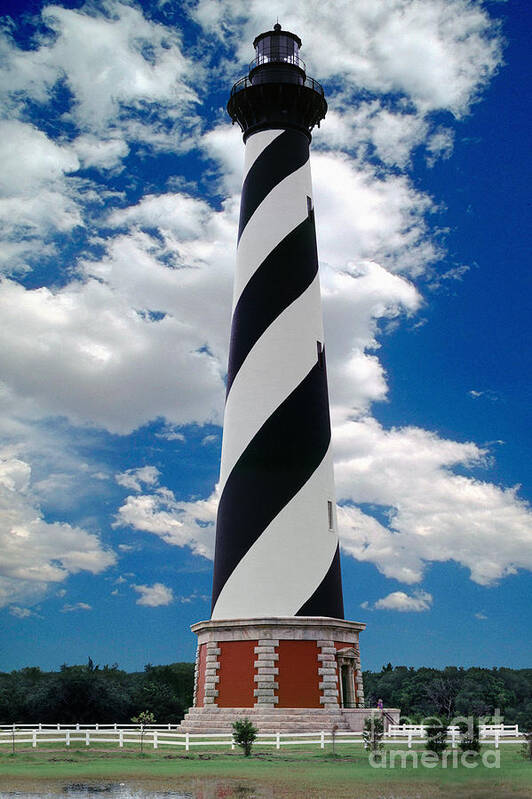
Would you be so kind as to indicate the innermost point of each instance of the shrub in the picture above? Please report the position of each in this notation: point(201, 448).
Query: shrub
point(526, 749)
point(244, 734)
point(373, 733)
point(145, 717)
point(436, 739)
point(469, 736)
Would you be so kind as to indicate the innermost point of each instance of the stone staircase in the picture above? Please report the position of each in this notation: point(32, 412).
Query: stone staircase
point(213, 720)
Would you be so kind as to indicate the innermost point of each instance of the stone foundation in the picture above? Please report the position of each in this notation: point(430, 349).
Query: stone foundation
point(212, 719)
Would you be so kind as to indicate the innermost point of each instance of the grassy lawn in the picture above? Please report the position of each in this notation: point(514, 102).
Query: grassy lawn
point(293, 772)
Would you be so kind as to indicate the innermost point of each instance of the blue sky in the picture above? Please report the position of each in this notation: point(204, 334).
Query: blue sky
point(118, 208)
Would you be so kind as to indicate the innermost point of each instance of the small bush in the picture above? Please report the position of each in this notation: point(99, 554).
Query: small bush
point(436, 739)
point(526, 749)
point(244, 734)
point(469, 736)
point(143, 718)
point(373, 733)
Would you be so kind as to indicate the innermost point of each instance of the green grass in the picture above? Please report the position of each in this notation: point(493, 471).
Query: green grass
point(292, 772)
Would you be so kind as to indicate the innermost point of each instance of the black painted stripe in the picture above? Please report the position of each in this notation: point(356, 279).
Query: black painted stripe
point(327, 599)
point(276, 464)
point(284, 155)
point(281, 278)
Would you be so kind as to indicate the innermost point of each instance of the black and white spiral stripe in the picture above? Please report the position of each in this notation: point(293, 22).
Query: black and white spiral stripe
point(276, 549)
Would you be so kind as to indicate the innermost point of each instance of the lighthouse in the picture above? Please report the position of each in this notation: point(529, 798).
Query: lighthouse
point(277, 647)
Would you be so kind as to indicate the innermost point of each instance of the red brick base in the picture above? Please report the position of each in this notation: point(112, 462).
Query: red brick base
point(293, 662)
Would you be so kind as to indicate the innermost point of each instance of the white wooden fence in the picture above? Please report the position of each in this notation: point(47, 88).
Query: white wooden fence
point(488, 733)
point(88, 726)
point(167, 735)
point(159, 737)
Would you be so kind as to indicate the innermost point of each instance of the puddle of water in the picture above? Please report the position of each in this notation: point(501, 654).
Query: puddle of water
point(201, 790)
point(111, 791)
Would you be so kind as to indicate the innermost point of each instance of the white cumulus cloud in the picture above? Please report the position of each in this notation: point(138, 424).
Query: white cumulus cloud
point(183, 524)
point(36, 197)
point(432, 514)
point(114, 61)
point(136, 478)
point(154, 596)
point(398, 600)
point(21, 613)
point(75, 607)
point(35, 552)
point(106, 356)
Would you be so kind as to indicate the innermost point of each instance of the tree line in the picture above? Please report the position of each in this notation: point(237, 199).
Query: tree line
point(93, 694)
point(453, 691)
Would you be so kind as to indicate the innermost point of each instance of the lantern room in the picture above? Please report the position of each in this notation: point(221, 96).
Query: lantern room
point(277, 58)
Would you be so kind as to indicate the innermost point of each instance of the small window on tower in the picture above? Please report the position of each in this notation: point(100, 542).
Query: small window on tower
point(321, 354)
point(330, 514)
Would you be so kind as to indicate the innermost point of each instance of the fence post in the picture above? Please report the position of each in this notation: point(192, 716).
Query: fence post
point(121, 738)
point(409, 739)
point(96, 726)
point(453, 737)
point(278, 740)
point(87, 738)
point(34, 739)
point(232, 741)
point(322, 739)
point(67, 737)
point(155, 739)
point(187, 741)
point(496, 739)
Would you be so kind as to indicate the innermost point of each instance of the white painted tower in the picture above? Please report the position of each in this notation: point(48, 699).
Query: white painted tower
point(276, 527)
